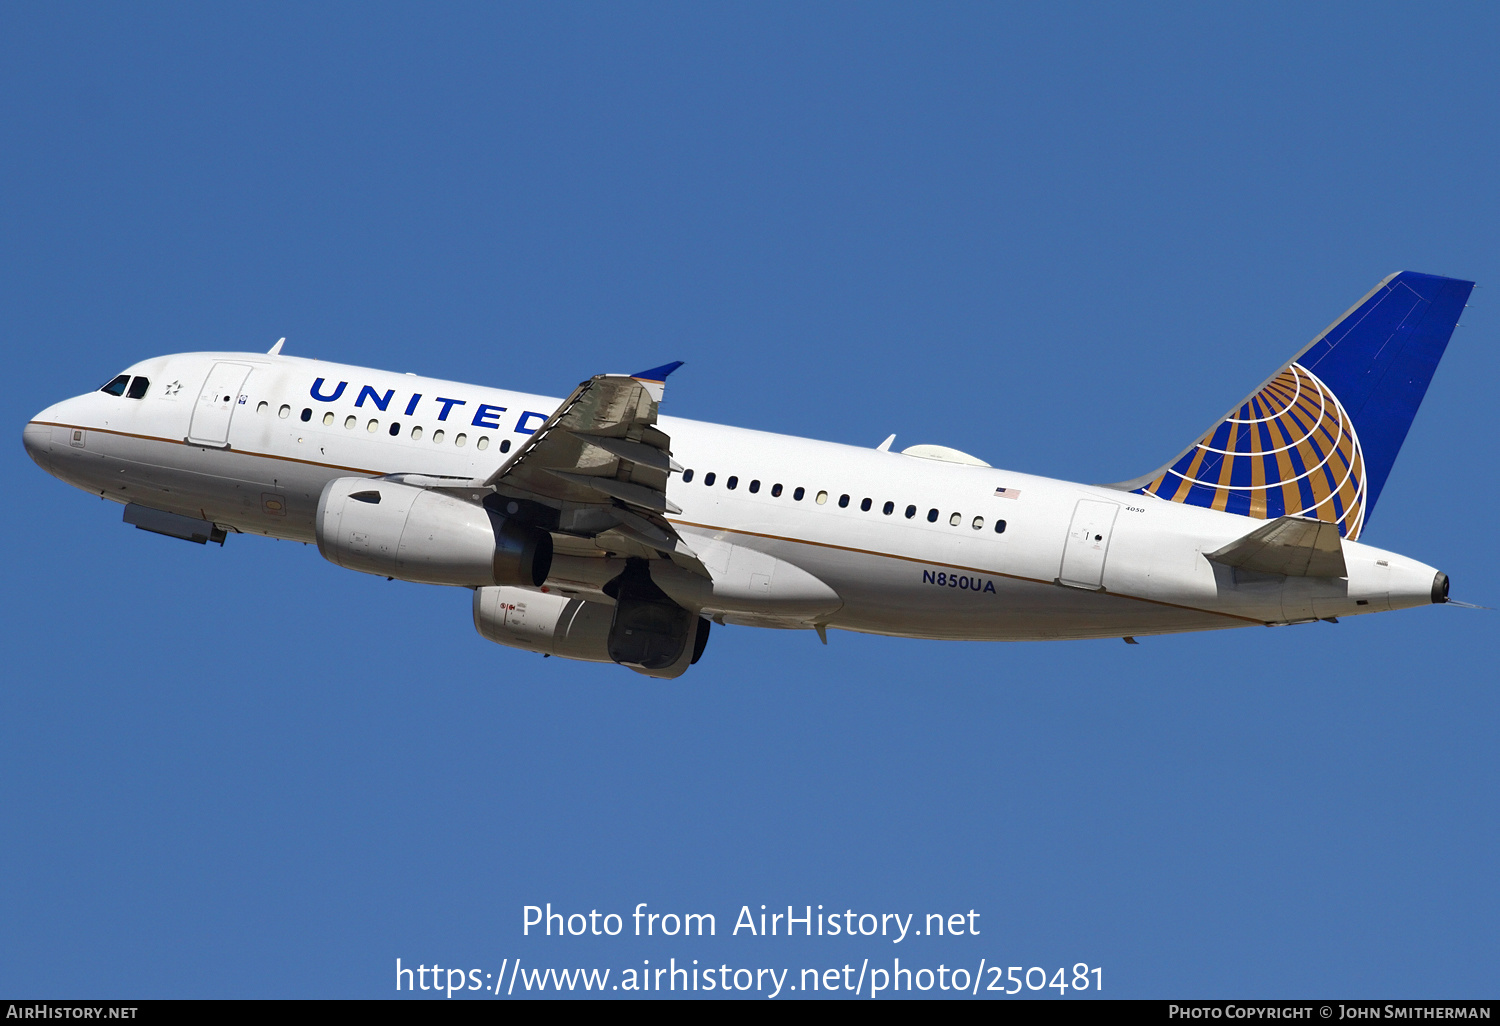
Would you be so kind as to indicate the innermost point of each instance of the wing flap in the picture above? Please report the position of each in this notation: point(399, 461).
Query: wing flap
point(602, 461)
point(626, 491)
point(605, 431)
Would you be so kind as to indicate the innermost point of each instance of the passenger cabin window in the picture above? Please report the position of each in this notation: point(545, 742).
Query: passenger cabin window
point(505, 445)
point(776, 491)
point(955, 519)
point(822, 498)
point(932, 515)
point(117, 386)
point(864, 505)
point(262, 406)
point(349, 423)
point(284, 412)
point(755, 486)
point(416, 433)
point(306, 415)
point(328, 420)
point(437, 436)
point(799, 493)
point(911, 511)
point(732, 483)
point(888, 508)
point(395, 428)
point(999, 526)
point(687, 476)
point(138, 388)
point(483, 443)
point(708, 479)
point(979, 523)
point(843, 501)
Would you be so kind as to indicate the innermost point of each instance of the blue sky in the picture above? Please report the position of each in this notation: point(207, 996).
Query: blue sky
point(1064, 237)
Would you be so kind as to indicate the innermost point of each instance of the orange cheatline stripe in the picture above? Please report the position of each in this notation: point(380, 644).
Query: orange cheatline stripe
point(196, 445)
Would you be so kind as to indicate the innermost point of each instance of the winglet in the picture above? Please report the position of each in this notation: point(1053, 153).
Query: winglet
point(276, 349)
point(655, 379)
point(658, 374)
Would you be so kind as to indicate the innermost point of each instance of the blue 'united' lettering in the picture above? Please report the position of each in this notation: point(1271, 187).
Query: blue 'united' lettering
point(318, 395)
point(382, 401)
point(486, 415)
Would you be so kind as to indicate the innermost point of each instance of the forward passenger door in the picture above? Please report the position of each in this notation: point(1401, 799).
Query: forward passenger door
point(216, 404)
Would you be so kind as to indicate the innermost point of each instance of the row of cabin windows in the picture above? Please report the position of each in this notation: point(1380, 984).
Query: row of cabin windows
point(136, 389)
point(798, 493)
point(394, 429)
point(130, 389)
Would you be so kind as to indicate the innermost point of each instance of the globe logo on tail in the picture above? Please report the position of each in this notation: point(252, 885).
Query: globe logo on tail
point(1289, 450)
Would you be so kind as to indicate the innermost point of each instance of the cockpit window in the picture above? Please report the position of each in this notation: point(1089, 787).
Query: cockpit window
point(138, 388)
point(117, 386)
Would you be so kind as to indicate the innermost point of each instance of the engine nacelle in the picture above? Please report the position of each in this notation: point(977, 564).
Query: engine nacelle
point(396, 530)
point(640, 635)
point(553, 625)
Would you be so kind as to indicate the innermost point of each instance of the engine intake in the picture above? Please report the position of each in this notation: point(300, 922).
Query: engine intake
point(415, 534)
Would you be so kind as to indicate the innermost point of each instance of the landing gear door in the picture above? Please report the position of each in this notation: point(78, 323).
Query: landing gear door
point(222, 392)
point(1087, 544)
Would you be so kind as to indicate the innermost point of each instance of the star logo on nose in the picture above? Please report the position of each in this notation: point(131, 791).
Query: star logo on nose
point(174, 388)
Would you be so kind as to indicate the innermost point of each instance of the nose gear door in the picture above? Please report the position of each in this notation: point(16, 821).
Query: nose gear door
point(221, 394)
point(1087, 544)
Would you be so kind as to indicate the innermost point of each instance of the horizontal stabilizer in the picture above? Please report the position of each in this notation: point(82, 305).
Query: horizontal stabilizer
point(1291, 546)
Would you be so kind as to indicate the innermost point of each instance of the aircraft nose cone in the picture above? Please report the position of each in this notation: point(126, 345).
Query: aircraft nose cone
point(38, 441)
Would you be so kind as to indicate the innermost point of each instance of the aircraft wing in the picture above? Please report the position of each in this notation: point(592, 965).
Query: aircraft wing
point(603, 463)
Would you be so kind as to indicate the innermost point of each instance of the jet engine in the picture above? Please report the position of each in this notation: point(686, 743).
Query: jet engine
point(396, 530)
point(645, 632)
point(649, 630)
point(551, 624)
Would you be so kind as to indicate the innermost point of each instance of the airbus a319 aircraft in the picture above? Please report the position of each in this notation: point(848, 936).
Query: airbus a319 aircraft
point(596, 529)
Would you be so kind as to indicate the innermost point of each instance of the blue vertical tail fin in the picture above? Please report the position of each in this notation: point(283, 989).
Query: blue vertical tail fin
point(1318, 439)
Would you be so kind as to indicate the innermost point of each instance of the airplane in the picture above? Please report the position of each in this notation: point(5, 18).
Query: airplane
point(596, 529)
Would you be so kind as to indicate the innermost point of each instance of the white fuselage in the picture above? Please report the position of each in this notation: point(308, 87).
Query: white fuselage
point(1133, 564)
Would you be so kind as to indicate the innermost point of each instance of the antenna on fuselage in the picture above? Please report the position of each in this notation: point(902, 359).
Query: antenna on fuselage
point(276, 349)
point(885, 446)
